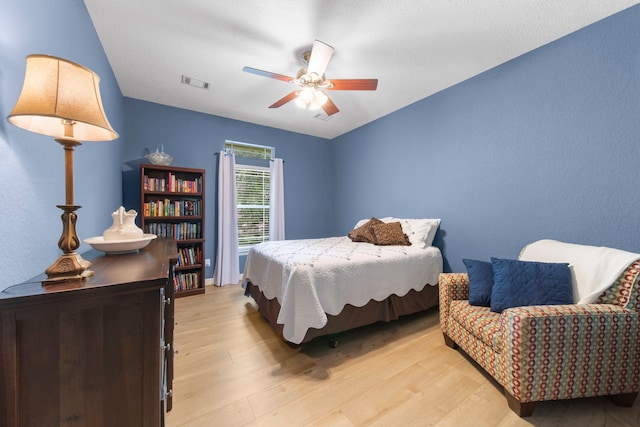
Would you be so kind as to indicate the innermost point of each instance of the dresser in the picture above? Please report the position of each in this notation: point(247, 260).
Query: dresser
point(96, 352)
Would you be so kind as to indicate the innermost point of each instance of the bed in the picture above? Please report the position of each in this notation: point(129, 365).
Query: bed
point(314, 287)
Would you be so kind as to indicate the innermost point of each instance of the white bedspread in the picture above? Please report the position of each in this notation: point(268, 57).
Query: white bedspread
point(594, 268)
point(313, 277)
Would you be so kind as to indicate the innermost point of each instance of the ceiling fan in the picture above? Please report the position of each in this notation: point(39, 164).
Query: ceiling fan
point(312, 82)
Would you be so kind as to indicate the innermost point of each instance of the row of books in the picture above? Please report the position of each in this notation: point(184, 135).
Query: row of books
point(172, 184)
point(189, 256)
point(181, 231)
point(166, 207)
point(186, 281)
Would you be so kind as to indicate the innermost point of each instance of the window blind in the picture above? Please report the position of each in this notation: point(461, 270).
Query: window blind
point(252, 192)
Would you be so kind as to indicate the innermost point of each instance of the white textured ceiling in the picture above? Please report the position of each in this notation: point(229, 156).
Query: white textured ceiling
point(414, 48)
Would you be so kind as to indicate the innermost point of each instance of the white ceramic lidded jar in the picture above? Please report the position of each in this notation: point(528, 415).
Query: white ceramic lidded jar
point(124, 227)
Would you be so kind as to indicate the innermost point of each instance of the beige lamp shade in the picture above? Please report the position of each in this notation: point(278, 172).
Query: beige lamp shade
point(57, 90)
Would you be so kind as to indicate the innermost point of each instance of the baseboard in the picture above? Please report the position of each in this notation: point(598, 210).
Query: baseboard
point(210, 281)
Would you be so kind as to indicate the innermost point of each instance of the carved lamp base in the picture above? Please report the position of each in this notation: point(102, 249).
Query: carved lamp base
point(70, 265)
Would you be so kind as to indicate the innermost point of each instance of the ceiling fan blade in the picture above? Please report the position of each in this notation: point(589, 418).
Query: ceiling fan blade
point(329, 107)
point(320, 56)
point(284, 99)
point(267, 74)
point(353, 84)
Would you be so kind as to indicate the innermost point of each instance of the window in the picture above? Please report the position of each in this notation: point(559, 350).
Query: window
point(252, 193)
point(250, 151)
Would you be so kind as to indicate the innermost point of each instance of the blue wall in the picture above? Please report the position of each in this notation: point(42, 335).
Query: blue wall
point(544, 146)
point(32, 165)
point(194, 139)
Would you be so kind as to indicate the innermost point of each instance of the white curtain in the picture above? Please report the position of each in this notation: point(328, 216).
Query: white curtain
point(227, 269)
point(276, 197)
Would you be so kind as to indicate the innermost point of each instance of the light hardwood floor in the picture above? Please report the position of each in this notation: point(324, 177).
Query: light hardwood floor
point(232, 370)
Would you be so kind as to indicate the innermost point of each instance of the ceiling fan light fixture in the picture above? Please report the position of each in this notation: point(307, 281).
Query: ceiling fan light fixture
point(313, 105)
point(310, 98)
point(305, 96)
point(320, 97)
point(311, 81)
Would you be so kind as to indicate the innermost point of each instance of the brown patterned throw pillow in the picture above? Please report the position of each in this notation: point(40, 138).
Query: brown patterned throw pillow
point(364, 232)
point(389, 234)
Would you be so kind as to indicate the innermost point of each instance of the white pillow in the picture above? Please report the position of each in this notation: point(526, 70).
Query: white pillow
point(364, 221)
point(421, 232)
point(361, 223)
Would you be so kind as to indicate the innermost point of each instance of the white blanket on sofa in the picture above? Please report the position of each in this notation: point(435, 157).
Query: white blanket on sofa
point(594, 268)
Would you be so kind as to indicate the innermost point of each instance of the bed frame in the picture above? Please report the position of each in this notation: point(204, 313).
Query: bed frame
point(351, 317)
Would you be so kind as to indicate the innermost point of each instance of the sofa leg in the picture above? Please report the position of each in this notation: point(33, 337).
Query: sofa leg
point(626, 400)
point(522, 409)
point(449, 342)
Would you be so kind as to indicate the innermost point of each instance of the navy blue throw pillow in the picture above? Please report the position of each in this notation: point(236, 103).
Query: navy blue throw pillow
point(520, 283)
point(480, 281)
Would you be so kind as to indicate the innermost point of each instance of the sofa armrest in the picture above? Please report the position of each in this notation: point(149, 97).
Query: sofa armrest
point(569, 351)
point(625, 292)
point(451, 287)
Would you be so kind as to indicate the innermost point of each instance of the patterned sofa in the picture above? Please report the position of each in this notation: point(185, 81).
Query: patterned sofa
point(551, 352)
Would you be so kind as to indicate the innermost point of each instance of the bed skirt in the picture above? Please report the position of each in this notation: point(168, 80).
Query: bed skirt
point(351, 317)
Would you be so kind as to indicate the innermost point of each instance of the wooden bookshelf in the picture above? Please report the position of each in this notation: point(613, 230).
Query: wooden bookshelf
point(172, 205)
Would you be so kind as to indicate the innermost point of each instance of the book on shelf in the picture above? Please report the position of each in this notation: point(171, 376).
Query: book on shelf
point(181, 185)
point(180, 231)
point(172, 184)
point(154, 184)
point(186, 281)
point(168, 207)
point(189, 256)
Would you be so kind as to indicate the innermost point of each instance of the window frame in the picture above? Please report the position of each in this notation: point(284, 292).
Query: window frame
point(250, 151)
point(250, 155)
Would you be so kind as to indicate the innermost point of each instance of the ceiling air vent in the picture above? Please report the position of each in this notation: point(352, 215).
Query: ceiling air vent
point(323, 117)
point(195, 82)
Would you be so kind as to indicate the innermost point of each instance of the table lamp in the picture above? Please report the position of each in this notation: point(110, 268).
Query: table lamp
point(61, 99)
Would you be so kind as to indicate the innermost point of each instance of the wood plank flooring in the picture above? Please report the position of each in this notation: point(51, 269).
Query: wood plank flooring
point(231, 369)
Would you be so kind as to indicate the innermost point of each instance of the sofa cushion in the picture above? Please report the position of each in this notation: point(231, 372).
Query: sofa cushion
point(480, 281)
point(520, 283)
point(479, 322)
